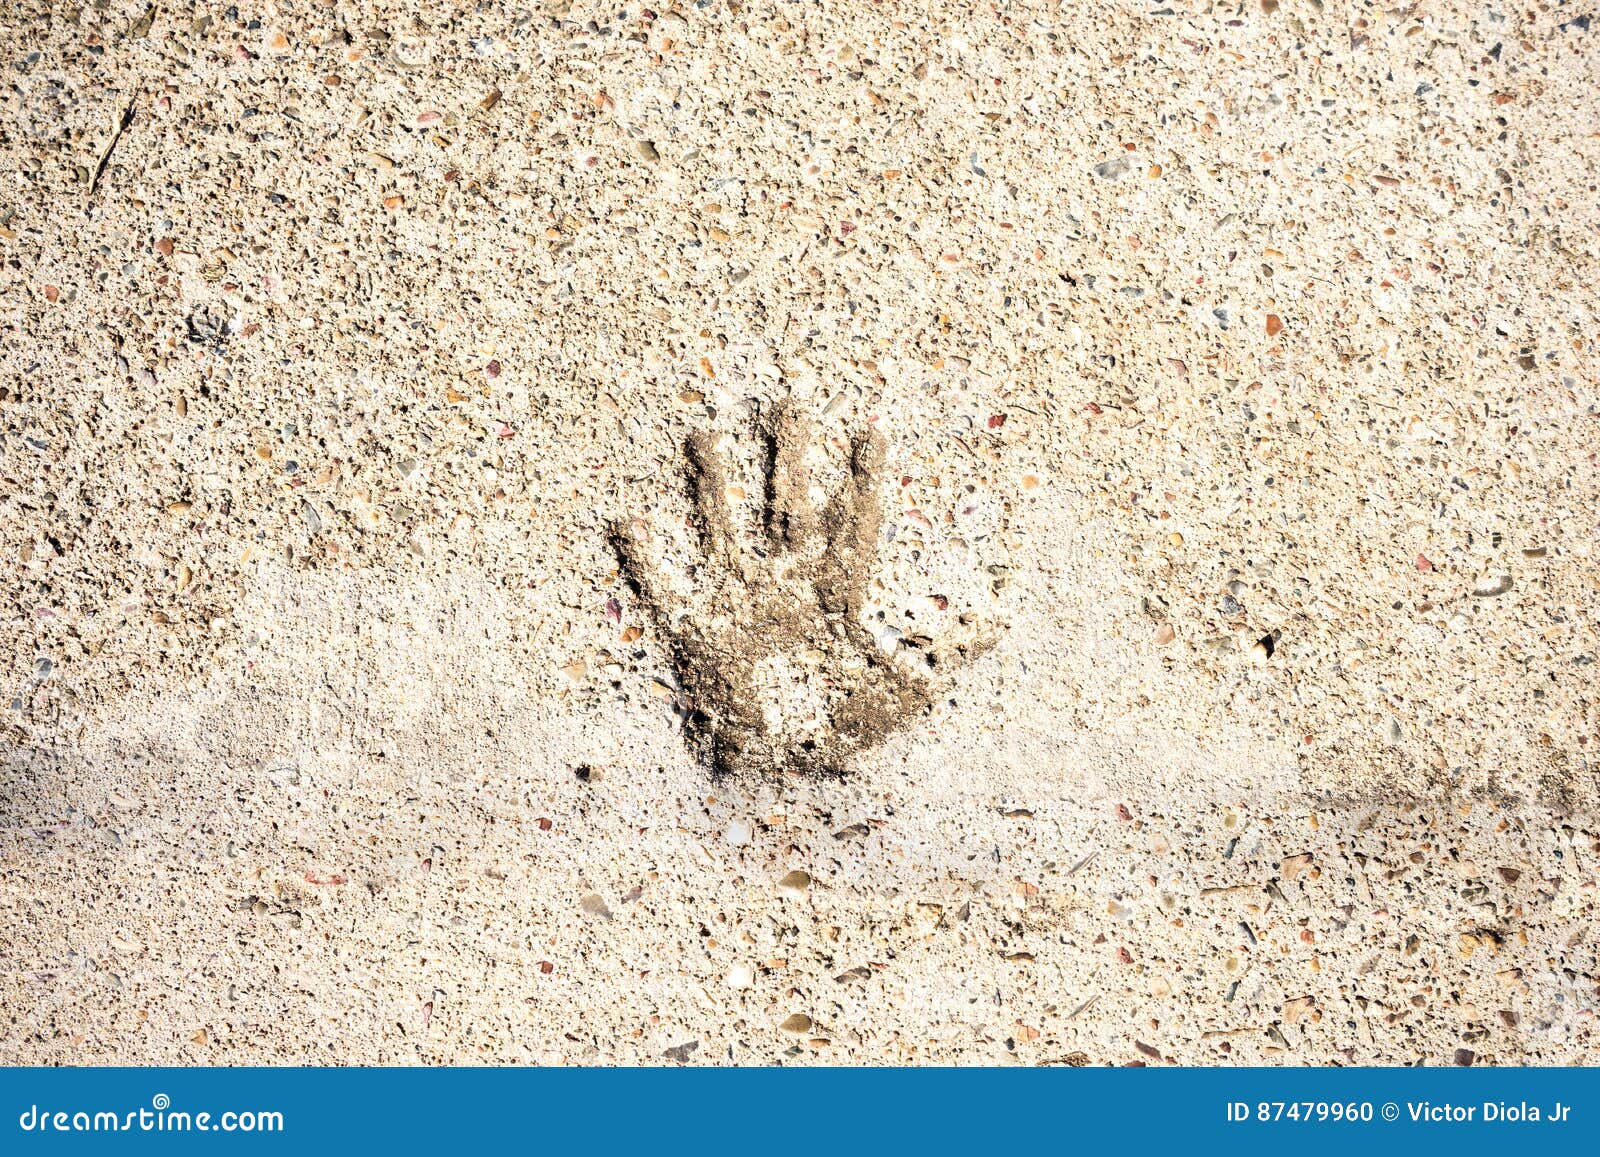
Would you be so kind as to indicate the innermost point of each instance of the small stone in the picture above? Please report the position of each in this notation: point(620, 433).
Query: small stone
point(1112, 169)
point(738, 833)
point(1489, 586)
point(203, 327)
point(794, 885)
point(741, 976)
point(797, 1025)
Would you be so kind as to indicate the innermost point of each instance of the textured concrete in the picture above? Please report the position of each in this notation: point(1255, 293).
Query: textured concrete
point(1161, 442)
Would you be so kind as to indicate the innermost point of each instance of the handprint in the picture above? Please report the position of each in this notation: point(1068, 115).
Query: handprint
point(765, 628)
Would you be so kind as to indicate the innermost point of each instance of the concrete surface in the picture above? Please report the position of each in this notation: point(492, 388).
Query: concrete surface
point(1228, 374)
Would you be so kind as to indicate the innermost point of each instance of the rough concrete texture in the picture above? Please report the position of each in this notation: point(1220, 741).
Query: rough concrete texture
point(1231, 376)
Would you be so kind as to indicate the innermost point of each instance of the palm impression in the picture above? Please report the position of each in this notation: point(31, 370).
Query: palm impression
point(765, 623)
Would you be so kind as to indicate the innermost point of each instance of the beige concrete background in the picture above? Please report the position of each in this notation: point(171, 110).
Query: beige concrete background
point(1235, 371)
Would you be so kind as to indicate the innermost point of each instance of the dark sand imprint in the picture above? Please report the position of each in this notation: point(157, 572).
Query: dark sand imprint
point(776, 671)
